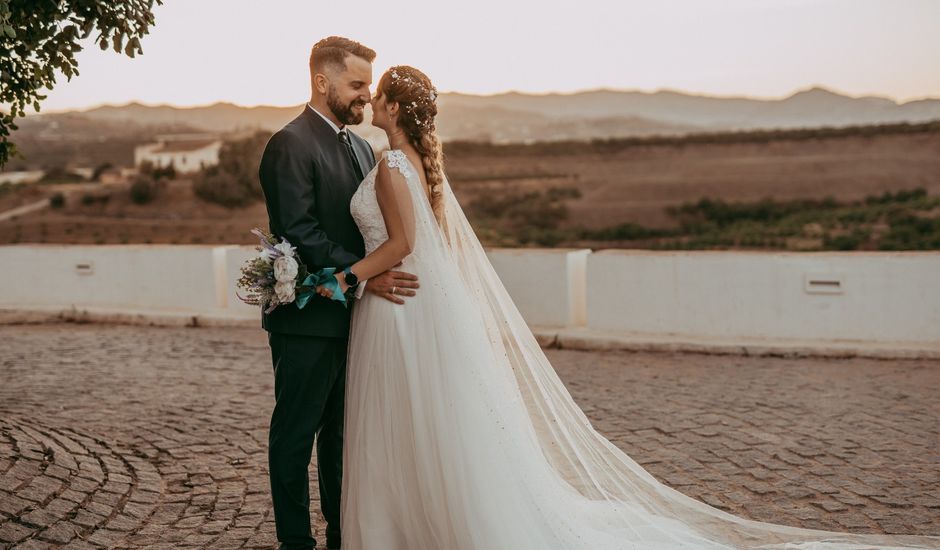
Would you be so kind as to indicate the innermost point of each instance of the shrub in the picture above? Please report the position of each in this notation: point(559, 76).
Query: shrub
point(234, 181)
point(520, 211)
point(167, 172)
point(143, 189)
point(100, 169)
point(57, 200)
point(912, 233)
point(623, 232)
point(157, 173)
point(225, 188)
point(58, 174)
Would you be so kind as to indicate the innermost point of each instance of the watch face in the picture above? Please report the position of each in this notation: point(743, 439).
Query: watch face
point(351, 278)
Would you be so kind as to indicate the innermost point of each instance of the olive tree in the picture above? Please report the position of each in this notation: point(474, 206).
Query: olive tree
point(40, 37)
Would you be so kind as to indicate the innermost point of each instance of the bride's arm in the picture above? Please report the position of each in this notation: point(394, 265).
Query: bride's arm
point(394, 198)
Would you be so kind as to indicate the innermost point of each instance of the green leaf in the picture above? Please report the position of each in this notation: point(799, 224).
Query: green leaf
point(44, 36)
point(133, 45)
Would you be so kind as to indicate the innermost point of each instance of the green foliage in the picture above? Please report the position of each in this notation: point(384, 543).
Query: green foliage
point(157, 173)
point(40, 37)
point(723, 214)
point(531, 217)
point(100, 169)
point(144, 188)
point(622, 232)
point(58, 174)
point(851, 241)
point(911, 218)
point(89, 199)
point(904, 220)
point(234, 181)
point(57, 200)
point(901, 196)
point(912, 232)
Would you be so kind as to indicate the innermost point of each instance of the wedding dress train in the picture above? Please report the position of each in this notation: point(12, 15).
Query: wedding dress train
point(460, 436)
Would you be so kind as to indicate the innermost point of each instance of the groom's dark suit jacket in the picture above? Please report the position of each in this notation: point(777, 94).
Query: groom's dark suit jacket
point(308, 181)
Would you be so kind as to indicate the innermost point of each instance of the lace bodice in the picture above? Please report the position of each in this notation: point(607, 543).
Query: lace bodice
point(364, 205)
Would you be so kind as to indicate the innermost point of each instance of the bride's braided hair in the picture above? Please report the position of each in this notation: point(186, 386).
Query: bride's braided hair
point(417, 98)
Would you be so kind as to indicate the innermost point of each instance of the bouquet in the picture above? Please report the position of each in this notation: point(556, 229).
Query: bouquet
point(276, 276)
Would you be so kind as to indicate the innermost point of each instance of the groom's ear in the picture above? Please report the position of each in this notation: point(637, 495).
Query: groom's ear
point(320, 83)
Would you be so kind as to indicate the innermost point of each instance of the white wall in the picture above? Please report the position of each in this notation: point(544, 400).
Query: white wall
point(882, 297)
point(159, 277)
point(888, 297)
point(17, 178)
point(183, 161)
point(547, 285)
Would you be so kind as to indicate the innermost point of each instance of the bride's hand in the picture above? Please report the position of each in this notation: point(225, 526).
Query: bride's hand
point(325, 292)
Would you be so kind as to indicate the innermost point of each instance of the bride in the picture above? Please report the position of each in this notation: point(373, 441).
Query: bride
point(459, 434)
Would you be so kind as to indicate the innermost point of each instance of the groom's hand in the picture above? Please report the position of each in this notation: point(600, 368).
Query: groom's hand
point(392, 284)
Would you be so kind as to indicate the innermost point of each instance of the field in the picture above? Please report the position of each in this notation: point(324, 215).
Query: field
point(636, 182)
point(109, 216)
point(579, 193)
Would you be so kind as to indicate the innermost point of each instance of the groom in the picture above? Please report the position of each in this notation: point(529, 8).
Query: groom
point(309, 172)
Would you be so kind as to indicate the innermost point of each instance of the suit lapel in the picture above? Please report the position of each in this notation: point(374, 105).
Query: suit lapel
point(321, 129)
point(324, 131)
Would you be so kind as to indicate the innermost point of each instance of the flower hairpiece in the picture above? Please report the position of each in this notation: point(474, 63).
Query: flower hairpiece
point(429, 94)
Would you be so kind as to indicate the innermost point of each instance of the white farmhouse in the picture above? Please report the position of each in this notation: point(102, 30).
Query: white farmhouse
point(16, 178)
point(186, 152)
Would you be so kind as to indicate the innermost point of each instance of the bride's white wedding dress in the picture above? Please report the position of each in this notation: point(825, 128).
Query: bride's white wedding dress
point(460, 436)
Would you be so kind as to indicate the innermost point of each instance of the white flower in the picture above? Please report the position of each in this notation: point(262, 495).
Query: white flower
point(266, 254)
point(285, 248)
point(285, 269)
point(284, 291)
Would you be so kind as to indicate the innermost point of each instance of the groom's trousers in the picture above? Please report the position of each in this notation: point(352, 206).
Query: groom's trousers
point(309, 390)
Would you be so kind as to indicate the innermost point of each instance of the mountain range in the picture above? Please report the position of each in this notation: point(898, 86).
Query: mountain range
point(520, 117)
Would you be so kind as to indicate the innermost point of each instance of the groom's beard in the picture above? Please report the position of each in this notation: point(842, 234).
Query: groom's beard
point(344, 113)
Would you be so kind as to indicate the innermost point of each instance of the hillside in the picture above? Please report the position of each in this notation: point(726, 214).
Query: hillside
point(79, 137)
point(569, 187)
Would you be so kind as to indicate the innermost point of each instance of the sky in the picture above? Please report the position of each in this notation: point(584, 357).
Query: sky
point(255, 53)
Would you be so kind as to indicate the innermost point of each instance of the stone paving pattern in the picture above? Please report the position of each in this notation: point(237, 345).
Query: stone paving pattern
point(127, 437)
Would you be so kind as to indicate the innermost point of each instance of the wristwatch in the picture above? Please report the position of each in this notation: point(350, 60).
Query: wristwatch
point(350, 277)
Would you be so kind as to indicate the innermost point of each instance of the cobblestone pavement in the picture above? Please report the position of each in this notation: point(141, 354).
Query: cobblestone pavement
point(118, 436)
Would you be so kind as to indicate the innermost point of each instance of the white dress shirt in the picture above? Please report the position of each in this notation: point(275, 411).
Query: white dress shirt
point(328, 121)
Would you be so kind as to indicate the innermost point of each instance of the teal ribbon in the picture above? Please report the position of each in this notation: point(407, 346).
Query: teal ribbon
point(324, 277)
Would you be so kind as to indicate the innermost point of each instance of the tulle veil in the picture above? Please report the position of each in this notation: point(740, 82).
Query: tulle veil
point(582, 457)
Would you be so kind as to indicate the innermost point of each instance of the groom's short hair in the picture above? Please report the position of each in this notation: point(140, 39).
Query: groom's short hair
point(331, 52)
